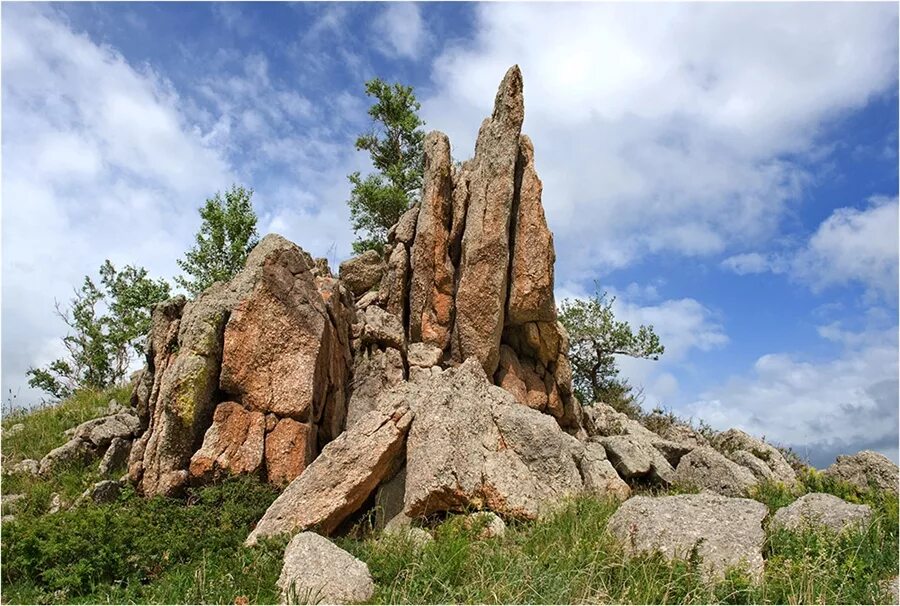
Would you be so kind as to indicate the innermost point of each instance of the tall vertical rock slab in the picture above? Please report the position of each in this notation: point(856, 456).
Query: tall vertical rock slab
point(484, 258)
point(431, 291)
point(531, 267)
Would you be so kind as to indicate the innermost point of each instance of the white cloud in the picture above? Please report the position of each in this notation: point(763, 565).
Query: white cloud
point(854, 246)
point(98, 163)
point(666, 129)
point(400, 30)
point(820, 407)
point(850, 246)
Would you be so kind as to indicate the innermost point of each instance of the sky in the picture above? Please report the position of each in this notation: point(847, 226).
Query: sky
point(728, 172)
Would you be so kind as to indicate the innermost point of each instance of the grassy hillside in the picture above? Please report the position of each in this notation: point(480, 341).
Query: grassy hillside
point(190, 551)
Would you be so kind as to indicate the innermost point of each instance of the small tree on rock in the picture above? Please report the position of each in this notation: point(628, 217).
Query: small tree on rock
point(107, 329)
point(396, 147)
point(595, 338)
point(226, 237)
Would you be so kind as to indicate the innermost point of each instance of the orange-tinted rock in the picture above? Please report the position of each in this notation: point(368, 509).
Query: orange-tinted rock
point(233, 443)
point(531, 267)
point(290, 447)
point(431, 290)
point(280, 345)
point(484, 260)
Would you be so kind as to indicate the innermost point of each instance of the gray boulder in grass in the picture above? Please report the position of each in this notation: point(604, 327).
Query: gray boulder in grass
point(819, 509)
point(724, 531)
point(865, 469)
point(316, 571)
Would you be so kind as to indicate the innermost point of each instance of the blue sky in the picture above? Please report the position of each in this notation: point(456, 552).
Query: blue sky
point(729, 172)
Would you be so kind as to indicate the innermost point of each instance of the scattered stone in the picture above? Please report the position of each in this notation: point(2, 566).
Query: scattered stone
point(341, 478)
point(367, 299)
point(105, 491)
point(424, 355)
point(634, 458)
point(735, 439)
point(113, 406)
point(724, 531)
point(7, 518)
point(492, 526)
point(116, 456)
point(17, 428)
point(819, 509)
point(27, 467)
point(705, 467)
point(360, 274)
point(234, 443)
point(10, 501)
point(472, 446)
point(599, 476)
point(101, 431)
point(56, 503)
point(866, 469)
point(891, 587)
point(75, 450)
point(318, 571)
point(419, 537)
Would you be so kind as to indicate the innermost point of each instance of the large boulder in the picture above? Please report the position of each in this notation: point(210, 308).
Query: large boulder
point(819, 509)
point(484, 262)
point(341, 478)
point(473, 446)
point(317, 571)
point(865, 470)
point(636, 458)
point(290, 446)
point(72, 452)
point(707, 468)
point(725, 532)
point(600, 477)
point(735, 439)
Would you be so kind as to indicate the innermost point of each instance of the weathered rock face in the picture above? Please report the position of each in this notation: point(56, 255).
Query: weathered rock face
point(818, 509)
point(317, 571)
point(726, 532)
point(341, 478)
point(362, 273)
point(866, 469)
point(275, 339)
point(473, 446)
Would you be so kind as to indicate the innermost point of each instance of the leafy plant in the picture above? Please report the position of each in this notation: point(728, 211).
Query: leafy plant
point(595, 339)
point(226, 236)
point(395, 145)
point(107, 325)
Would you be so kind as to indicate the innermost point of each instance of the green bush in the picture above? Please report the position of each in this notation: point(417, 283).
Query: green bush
point(136, 542)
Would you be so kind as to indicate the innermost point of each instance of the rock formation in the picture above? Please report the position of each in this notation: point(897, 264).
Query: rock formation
point(428, 379)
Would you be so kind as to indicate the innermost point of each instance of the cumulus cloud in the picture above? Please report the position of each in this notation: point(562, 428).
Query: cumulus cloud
point(400, 30)
point(851, 246)
point(678, 129)
point(819, 407)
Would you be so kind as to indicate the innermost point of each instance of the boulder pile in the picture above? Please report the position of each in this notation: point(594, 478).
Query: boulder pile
point(431, 378)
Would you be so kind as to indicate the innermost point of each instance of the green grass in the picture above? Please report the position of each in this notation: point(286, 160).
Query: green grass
point(44, 426)
point(191, 550)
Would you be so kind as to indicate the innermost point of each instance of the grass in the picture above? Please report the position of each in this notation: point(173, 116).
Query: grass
point(191, 550)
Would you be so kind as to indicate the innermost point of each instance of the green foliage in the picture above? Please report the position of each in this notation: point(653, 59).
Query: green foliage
point(595, 338)
point(157, 550)
point(106, 330)
point(395, 145)
point(227, 235)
